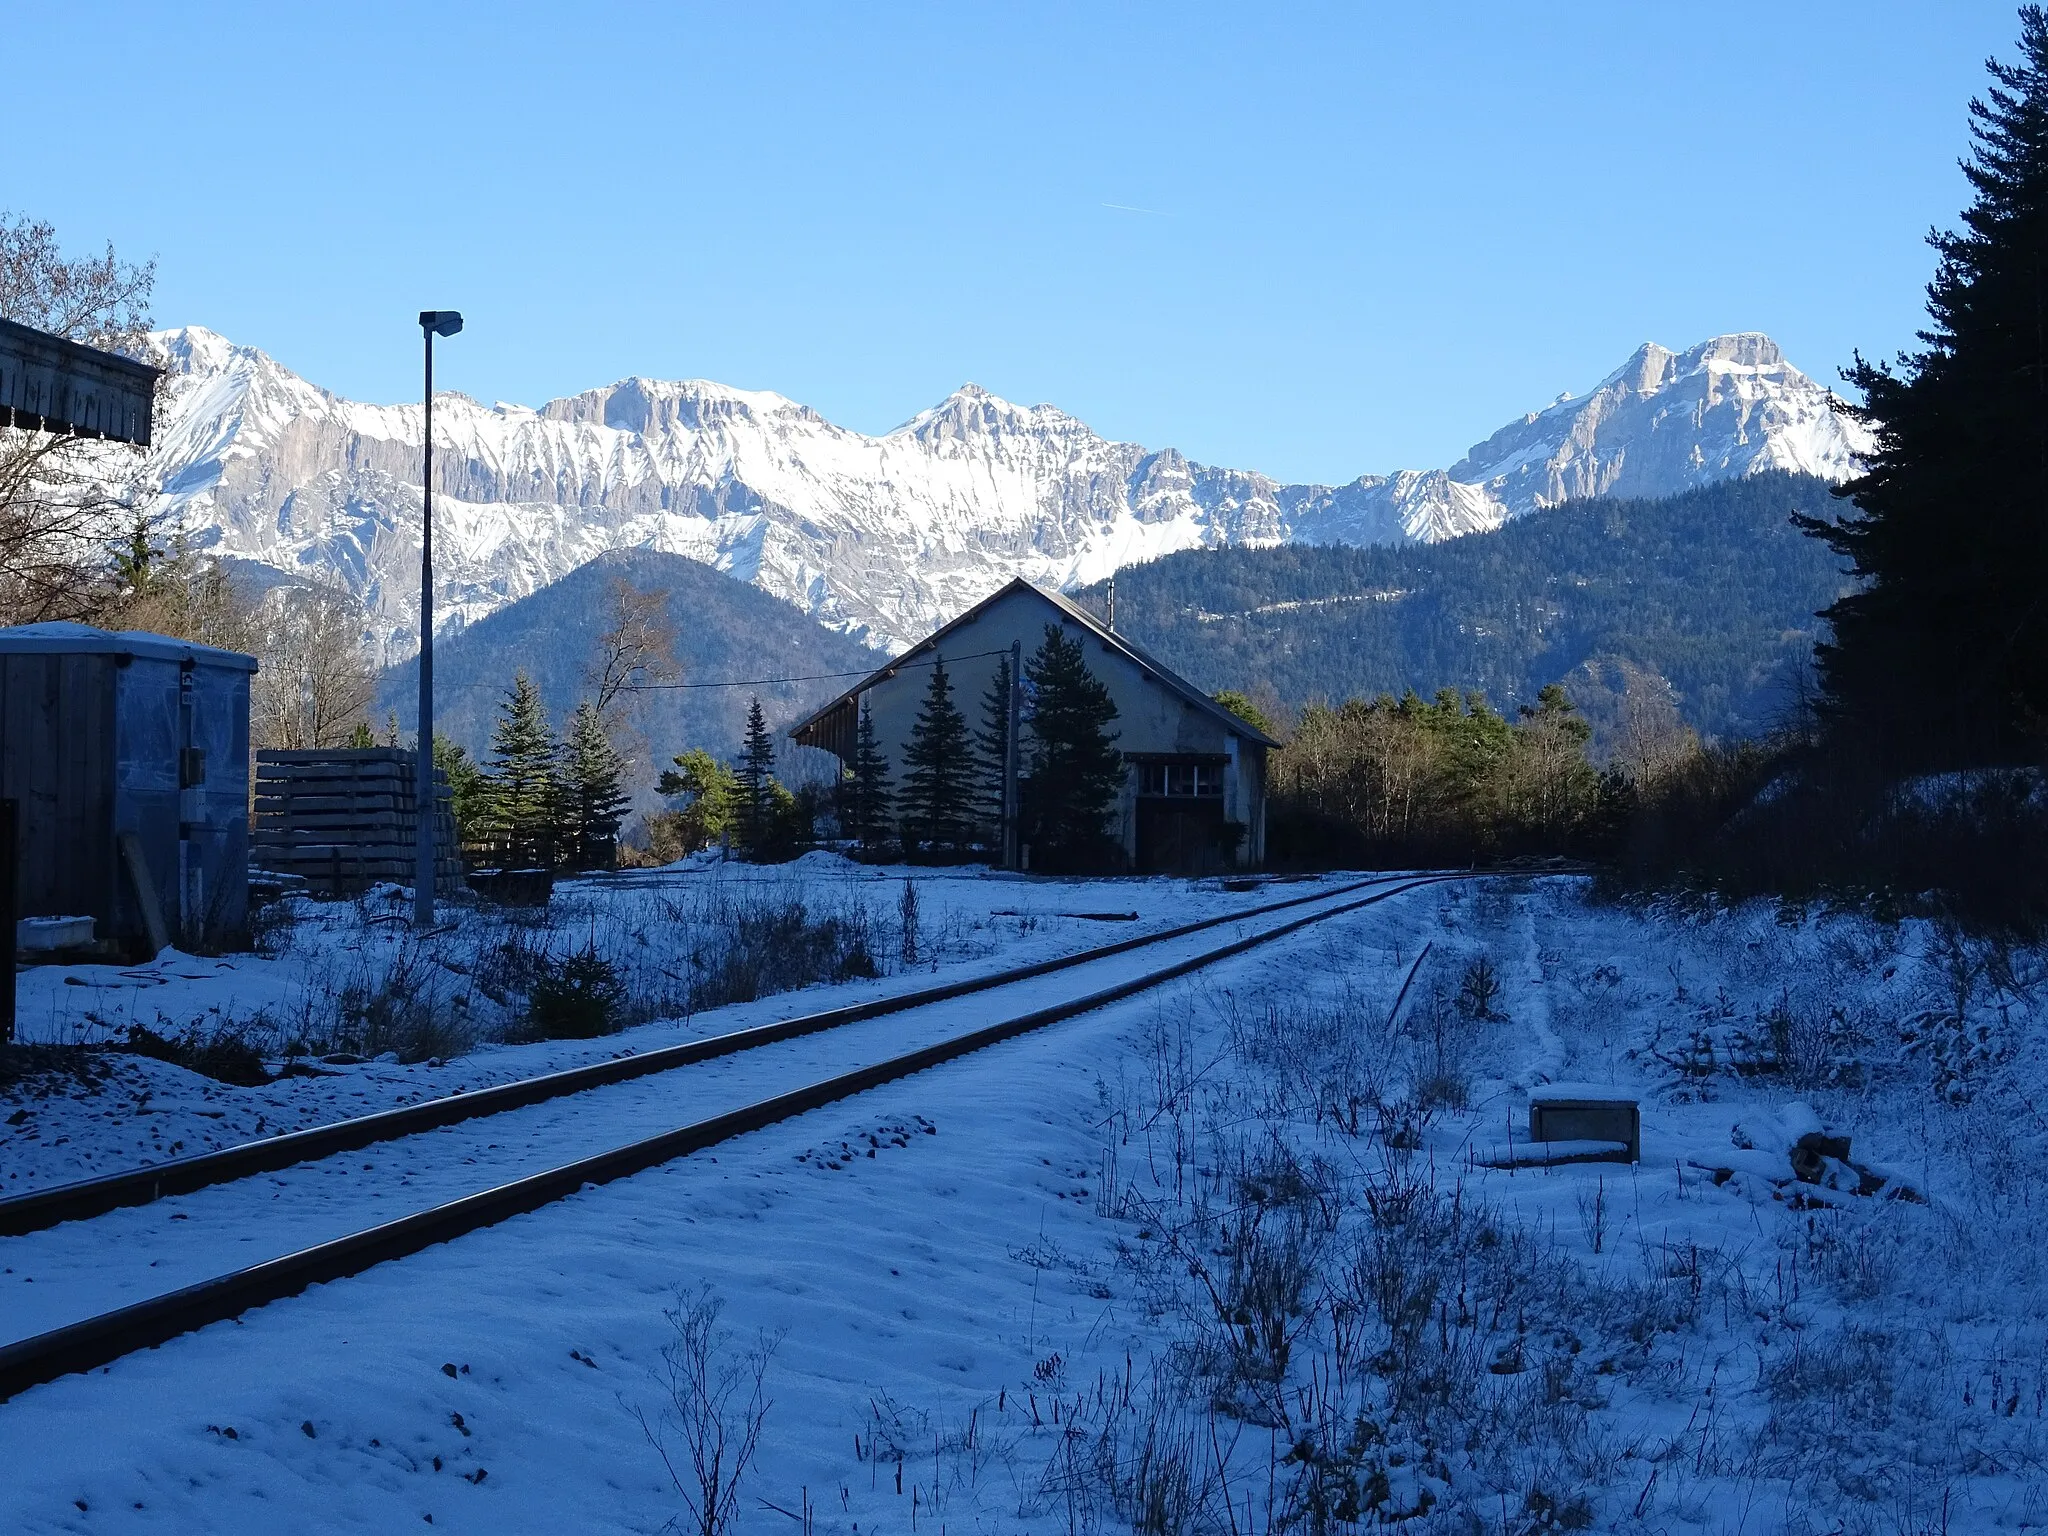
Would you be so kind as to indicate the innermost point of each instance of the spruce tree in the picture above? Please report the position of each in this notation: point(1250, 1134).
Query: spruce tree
point(1077, 774)
point(938, 779)
point(593, 793)
point(757, 786)
point(468, 787)
point(866, 798)
point(1941, 655)
point(991, 749)
point(525, 789)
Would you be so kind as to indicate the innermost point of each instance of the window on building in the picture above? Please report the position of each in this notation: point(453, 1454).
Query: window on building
point(1180, 780)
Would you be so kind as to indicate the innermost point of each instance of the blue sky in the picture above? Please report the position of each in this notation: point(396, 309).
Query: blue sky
point(1315, 241)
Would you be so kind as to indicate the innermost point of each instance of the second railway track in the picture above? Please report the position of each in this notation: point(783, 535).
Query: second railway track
point(459, 1206)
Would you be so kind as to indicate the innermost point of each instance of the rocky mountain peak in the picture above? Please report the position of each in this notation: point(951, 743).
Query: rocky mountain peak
point(883, 537)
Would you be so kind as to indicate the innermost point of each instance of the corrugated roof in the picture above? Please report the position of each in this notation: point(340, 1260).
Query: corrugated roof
point(1069, 609)
point(62, 639)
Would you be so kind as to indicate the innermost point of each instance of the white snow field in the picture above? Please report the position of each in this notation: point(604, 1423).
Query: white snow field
point(332, 963)
point(1226, 1256)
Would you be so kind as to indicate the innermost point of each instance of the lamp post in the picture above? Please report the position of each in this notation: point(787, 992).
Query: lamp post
point(426, 803)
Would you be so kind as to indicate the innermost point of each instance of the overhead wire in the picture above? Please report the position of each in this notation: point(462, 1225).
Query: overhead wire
point(815, 677)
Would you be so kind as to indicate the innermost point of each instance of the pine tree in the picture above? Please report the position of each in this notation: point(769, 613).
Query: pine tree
point(468, 788)
point(714, 792)
point(594, 798)
point(1942, 654)
point(1077, 774)
point(991, 750)
point(866, 798)
point(524, 783)
point(1241, 705)
point(938, 779)
point(757, 785)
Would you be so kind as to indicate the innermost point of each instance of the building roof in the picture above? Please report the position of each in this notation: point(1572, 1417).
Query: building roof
point(53, 385)
point(1074, 612)
point(59, 639)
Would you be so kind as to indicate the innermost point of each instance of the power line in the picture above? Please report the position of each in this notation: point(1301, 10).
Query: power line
point(759, 682)
point(815, 677)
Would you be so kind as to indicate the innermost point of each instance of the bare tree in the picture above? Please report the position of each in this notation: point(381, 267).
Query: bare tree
point(178, 593)
point(637, 650)
point(316, 682)
point(1650, 737)
point(65, 501)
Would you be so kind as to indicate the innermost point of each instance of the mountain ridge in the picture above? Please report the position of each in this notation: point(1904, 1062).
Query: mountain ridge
point(885, 536)
point(1712, 593)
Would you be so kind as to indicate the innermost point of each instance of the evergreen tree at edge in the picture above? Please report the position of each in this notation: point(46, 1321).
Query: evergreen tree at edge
point(1941, 657)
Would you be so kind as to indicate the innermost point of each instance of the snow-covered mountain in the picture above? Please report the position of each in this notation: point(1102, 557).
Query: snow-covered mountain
point(881, 536)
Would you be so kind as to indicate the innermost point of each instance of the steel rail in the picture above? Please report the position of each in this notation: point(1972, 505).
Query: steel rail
point(84, 1198)
point(97, 1341)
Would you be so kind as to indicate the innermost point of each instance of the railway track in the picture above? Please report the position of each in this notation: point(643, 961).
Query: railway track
point(84, 1198)
point(97, 1340)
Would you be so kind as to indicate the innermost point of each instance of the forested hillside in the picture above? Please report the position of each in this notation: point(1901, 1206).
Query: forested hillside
point(1713, 589)
point(722, 629)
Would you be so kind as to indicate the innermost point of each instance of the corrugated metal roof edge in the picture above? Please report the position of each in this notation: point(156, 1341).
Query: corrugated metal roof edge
point(1236, 724)
point(59, 639)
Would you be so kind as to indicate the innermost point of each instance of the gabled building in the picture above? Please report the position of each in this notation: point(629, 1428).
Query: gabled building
point(1194, 797)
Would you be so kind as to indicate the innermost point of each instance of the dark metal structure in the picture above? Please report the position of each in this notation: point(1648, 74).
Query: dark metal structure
point(9, 857)
point(49, 384)
point(433, 322)
point(129, 755)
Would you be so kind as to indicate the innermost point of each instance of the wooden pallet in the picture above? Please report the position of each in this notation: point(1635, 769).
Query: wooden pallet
point(345, 819)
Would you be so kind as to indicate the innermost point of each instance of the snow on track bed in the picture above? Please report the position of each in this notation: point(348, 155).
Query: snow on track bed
point(333, 1411)
point(1697, 1355)
point(147, 1111)
point(79, 1269)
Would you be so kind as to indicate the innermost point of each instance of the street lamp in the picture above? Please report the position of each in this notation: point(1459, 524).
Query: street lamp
point(426, 803)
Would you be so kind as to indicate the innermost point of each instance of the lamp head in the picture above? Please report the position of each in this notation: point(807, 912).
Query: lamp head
point(442, 322)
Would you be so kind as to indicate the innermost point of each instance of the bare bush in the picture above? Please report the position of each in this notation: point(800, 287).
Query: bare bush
point(707, 1431)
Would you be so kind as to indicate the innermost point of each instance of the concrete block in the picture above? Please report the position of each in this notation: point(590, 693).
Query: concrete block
point(1584, 1112)
point(40, 935)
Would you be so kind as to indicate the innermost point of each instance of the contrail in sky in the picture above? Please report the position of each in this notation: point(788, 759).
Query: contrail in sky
point(1127, 208)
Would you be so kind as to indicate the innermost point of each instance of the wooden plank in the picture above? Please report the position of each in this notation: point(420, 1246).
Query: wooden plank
point(145, 893)
point(331, 805)
point(301, 853)
point(335, 755)
point(341, 828)
point(340, 772)
point(321, 853)
point(373, 824)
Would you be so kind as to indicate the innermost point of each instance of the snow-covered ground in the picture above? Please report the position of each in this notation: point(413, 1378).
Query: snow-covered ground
point(1226, 1256)
point(353, 974)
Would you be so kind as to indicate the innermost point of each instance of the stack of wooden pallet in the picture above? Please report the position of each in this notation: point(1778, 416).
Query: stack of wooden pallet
point(344, 819)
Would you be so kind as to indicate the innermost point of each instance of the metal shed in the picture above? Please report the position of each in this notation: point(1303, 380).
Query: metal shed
point(129, 755)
